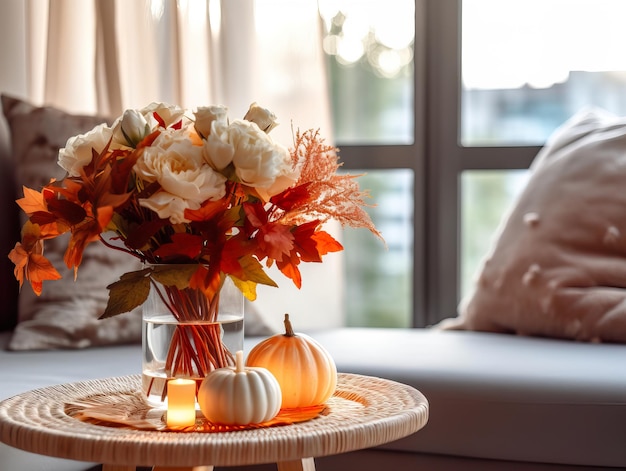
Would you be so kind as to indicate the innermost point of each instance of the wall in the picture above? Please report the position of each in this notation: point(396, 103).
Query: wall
point(12, 81)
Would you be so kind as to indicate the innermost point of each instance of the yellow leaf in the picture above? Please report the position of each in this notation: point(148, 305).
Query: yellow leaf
point(253, 271)
point(248, 288)
point(174, 275)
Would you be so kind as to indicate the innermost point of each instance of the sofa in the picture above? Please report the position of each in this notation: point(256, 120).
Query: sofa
point(496, 402)
point(500, 397)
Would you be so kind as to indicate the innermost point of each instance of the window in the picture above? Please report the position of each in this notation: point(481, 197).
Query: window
point(369, 48)
point(490, 80)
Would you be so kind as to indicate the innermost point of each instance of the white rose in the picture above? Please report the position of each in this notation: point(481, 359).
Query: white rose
point(185, 178)
point(170, 114)
point(257, 160)
point(264, 118)
point(77, 152)
point(205, 116)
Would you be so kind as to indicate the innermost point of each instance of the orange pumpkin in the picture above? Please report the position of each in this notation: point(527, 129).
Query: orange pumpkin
point(305, 371)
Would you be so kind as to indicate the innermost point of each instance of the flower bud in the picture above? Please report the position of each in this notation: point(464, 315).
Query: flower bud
point(133, 127)
point(205, 115)
point(264, 118)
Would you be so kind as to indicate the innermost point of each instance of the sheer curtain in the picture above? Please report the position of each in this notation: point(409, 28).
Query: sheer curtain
point(95, 56)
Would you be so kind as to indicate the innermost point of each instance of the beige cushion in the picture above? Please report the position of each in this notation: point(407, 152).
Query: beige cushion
point(558, 266)
point(66, 314)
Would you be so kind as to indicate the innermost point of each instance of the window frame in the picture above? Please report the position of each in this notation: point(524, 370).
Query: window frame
point(437, 160)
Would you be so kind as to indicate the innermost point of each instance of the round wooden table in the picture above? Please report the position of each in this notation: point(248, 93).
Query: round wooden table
point(364, 412)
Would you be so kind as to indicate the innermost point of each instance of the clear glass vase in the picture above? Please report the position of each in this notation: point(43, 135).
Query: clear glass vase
point(187, 335)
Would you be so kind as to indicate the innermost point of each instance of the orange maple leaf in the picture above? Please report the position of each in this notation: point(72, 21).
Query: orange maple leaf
point(310, 244)
point(19, 256)
point(207, 211)
point(289, 268)
point(208, 280)
point(82, 235)
point(32, 201)
point(325, 243)
point(32, 266)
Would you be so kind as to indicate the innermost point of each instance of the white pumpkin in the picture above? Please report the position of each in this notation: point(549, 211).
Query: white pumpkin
point(239, 395)
point(306, 372)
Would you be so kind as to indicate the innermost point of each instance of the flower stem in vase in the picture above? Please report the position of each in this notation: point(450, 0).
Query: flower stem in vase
point(196, 342)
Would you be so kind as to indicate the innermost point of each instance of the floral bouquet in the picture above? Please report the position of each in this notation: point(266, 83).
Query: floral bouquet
point(197, 198)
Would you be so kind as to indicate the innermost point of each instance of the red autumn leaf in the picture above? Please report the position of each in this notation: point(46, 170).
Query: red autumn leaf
point(305, 243)
point(290, 269)
point(138, 237)
point(292, 197)
point(158, 119)
point(149, 139)
point(182, 245)
point(43, 218)
point(228, 254)
point(275, 240)
point(256, 215)
point(67, 210)
point(70, 191)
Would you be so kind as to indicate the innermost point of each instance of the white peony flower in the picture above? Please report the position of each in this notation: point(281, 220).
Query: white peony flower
point(77, 152)
point(205, 115)
point(257, 160)
point(185, 178)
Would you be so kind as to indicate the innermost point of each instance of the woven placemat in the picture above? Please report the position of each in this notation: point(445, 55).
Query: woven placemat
point(130, 410)
point(364, 412)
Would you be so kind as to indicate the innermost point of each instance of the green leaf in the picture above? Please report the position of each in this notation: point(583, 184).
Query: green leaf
point(129, 292)
point(173, 275)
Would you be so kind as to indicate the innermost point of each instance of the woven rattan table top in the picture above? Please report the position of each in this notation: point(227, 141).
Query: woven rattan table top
point(364, 412)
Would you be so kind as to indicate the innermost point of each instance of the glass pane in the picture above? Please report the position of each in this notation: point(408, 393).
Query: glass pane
point(528, 65)
point(379, 279)
point(486, 196)
point(369, 45)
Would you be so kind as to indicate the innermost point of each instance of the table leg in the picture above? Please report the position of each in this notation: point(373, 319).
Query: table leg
point(182, 468)
point(305, 464)
point(113, 467)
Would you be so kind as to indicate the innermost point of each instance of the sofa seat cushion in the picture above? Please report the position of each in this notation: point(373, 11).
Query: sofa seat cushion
point(500, 396)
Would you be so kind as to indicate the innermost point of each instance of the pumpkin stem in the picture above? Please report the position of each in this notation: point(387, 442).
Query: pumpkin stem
point(239, 365)
point(288, 327)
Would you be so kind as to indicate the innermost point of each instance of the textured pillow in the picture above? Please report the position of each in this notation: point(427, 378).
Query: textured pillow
point(558, 267)
point(66, 314)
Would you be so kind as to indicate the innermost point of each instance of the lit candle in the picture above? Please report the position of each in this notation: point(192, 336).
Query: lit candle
point(181, 402)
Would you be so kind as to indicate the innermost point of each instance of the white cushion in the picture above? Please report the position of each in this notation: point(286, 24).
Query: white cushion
point(558, 267)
